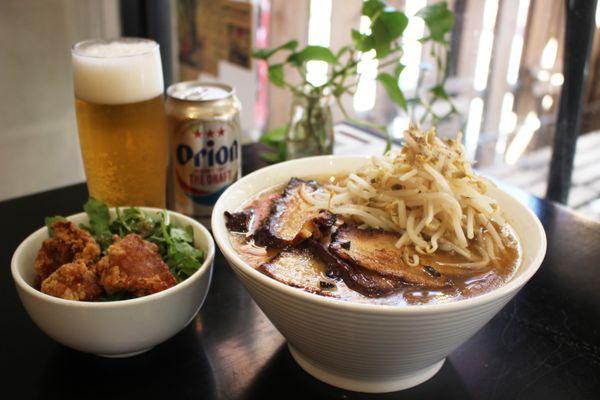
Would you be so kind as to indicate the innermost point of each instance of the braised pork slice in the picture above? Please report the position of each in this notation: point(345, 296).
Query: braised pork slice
point(299, 267)
point(239, 221)
point(262, 209)
point(375, 250)
point(364, 281)
point(244, 223)
point(292, 219)
point(253, 216)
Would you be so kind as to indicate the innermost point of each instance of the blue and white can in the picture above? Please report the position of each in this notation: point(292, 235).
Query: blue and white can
point(205, 142)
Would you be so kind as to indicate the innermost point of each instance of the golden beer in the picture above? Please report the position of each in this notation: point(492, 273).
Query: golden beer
point(121, 121)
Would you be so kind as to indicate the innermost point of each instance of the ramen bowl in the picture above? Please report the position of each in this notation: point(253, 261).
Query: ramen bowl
point(115, 328)
point(369, 347)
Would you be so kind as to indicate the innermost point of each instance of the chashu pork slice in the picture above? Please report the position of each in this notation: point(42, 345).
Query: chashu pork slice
point(292, 219)
point(243, 224)
point(361, 280)
point(251, 217)
point(300, 267)
point(375, 250)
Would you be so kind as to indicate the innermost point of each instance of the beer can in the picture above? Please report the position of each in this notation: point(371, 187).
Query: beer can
point(205, 141)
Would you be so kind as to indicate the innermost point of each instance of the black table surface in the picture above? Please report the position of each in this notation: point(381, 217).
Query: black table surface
point(545, 344)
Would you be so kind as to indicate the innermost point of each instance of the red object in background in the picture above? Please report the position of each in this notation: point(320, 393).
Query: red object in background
point(261, 41)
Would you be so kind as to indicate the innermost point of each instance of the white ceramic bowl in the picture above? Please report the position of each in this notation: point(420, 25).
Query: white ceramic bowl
point(364, 347)
point(117, 328)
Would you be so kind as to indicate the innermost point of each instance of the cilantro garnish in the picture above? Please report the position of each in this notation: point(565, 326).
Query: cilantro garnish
point(51, 220)
point(99, 218)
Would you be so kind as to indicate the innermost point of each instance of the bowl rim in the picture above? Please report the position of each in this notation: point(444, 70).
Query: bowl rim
point(222, 240)
point(22, 284)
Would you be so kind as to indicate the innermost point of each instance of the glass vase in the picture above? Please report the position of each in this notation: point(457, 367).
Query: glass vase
point(310, 130)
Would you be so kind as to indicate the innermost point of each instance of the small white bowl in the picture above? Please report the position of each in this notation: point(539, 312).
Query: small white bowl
point(367, 347)
point(117, 328)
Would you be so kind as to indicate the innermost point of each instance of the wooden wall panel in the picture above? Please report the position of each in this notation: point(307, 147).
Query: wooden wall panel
point(591, 108)
point(506, 24)
point(546, 20)
point(345, 16)
point(469, 43)
point(289, 20)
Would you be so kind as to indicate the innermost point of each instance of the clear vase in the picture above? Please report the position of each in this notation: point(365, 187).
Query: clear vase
point(310, 130)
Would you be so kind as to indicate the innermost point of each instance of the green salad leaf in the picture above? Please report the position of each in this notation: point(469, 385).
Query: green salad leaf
point(132, 220)
point(51, 220)
point(180, 255)
point(184, 234)
point(99, 218)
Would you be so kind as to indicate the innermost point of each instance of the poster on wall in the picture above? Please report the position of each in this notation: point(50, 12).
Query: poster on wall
point(198, 27)
point(237, 21)
point(213, 30)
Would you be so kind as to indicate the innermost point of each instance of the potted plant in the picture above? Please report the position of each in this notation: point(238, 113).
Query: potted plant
point(310, 129)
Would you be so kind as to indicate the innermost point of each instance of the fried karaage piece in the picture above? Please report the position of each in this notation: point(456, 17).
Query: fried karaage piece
point(67, 244)
point(134, 265)
point(73, 281)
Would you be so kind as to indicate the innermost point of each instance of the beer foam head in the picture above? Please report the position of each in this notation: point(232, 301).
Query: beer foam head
point(117, 71)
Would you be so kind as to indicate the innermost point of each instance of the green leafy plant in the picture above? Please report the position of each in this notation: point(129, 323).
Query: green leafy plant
point(384, 39)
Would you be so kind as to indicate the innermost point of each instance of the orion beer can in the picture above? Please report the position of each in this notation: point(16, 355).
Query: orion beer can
point(205, 140)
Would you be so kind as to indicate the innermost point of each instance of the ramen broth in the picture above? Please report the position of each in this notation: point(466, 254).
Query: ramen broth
point(465, 282)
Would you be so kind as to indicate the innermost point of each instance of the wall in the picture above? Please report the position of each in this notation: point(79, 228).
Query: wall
point(39, 149)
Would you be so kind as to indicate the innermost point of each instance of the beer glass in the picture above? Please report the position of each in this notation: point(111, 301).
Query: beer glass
point(121, 120)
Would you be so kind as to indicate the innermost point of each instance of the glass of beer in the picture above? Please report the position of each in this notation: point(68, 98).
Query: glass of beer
point(121, 120)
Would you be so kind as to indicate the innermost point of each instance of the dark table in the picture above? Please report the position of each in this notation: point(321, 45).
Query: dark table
point(545, 344)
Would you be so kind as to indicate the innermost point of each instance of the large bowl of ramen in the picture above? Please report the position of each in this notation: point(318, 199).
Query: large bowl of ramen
point(364, 304)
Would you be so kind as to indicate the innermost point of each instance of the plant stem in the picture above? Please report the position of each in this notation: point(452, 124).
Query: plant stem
point(311, 103)
point(389, 62)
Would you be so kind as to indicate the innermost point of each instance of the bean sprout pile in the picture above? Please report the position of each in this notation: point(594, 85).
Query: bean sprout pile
point(428, 194)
